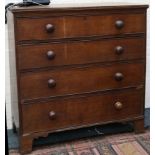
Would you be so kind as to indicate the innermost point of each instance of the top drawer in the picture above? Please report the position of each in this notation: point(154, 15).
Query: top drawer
point(79, 26)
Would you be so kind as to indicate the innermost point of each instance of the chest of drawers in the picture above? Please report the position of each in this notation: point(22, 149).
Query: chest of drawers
point(76, 67)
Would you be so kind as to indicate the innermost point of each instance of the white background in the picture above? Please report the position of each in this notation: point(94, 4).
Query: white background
point(85, 1)
point(7, 75)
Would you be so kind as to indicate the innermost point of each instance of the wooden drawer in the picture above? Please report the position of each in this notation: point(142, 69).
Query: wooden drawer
point(80, 80)
point(78, 26)
point(59, 54)
point(84, 110)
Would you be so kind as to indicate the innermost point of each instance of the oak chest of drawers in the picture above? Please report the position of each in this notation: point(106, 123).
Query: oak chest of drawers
point(76, 67)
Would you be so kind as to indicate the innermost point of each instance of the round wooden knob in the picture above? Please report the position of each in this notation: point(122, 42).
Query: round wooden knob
point(50, 55)
point(51, 83)
point(119, 24)
point(118, 105)
point(50, 28)
point(119, 50)
point(119, 76)
point(52, 114)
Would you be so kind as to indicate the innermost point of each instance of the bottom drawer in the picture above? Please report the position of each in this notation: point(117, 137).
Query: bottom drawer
point(83, 110)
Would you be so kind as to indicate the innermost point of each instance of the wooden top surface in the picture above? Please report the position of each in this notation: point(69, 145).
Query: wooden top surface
point(78, 6)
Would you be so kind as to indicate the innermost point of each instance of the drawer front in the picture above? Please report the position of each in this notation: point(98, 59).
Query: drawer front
point(36, 29)
point(46, 55)
point(80, 80)
point(78, 111)
point(78, 26)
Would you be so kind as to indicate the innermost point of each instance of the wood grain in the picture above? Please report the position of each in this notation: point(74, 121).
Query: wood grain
point(83, 52)
point(70, 26)
point(79, 111)
point(80, 80)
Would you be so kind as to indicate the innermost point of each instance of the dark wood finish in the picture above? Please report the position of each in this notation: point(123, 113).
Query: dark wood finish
point(80, 80)
point(27, 11)
point(26, 142)
point(52, 115)
point(83, 52)
point(50, 28)
point(119, 50)
point(118, 105)
point(69, 27)
point(76, 67)
point(139, 125)
point(119, 76)
point(79, 111)
point(50, 55)
point(119, 24)
point(51, 83)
